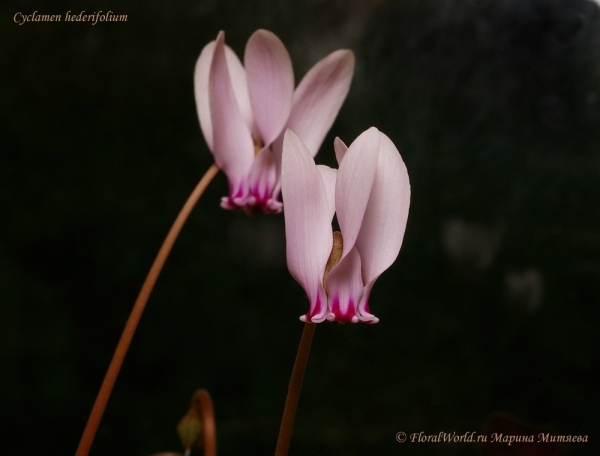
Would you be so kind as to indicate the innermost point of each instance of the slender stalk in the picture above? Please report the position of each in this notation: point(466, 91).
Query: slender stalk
point(204, 407)
point(291, 402)
point(138, 308)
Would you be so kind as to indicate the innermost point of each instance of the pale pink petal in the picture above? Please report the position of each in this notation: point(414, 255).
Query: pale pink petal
point(233, 148)
point(307, 223)
point(344, 289)
point(340, 149)
point(270, 83)
point(261, 184)
point(240, 86)
point(363, 313)
point(329, 176)
point(317, 312)
point(238, 81)
point(354, 181)
point(276, 147)
point(201, 73)
point(385, 218)
point(319, 97)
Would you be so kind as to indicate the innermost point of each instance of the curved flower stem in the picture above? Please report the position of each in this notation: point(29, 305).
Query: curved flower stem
point(291, 402)
point(138, 308)
point(204, 408)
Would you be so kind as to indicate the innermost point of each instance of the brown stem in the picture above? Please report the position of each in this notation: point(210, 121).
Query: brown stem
point(204, 407)
point(138, 308)
point(291, 402)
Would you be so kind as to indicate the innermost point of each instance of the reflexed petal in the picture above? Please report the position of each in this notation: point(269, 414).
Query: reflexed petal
point(238, 80)
point(201, 73)
point(354, 181)
point(319, 97)
point(270, 83)
point(233, 148)
point(385, 218)
point(329, 177)
point(318, 308)
point(340, 149)
point(261, 184)
point(307, 223)
point(363, 312)
point(276, 147)
point(344, 289)
point(240, 86)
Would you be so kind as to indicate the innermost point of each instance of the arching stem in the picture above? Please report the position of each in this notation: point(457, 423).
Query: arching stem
point(138, 308)
point(204, 407)
point(291, 402)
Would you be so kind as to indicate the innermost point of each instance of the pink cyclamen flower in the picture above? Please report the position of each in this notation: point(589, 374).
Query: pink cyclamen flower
point(244, 110)
point(370, 193)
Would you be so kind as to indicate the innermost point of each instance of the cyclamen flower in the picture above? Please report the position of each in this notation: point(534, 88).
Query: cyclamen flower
point(243, 111)
point(370, 193)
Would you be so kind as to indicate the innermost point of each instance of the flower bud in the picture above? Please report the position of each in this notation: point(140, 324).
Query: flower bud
point(190, 430)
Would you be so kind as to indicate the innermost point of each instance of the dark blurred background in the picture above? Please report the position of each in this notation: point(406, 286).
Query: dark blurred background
point(492, 306)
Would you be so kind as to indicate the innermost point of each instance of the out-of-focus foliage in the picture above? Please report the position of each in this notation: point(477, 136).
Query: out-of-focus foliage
point(491, 306)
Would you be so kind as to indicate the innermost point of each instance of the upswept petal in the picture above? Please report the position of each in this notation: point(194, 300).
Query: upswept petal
point(384, 222)
point(277, 147)
point(232, 143)
point(329, 176)
point(354, 182)
point(344, 288)
point(201, 72)
point(340, 149)
point(240, 86)
point(261, 184)
point(319, 97)
point(307, 223)
point(238, 81)
point(362, 312)
point(317, 312)
point(270, 83)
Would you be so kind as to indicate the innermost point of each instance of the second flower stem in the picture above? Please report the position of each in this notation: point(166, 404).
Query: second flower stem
point(291, 402)
point(136, 313)
point(204, 406)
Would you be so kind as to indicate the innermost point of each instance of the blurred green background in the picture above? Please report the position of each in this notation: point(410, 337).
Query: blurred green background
point(492, 305)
